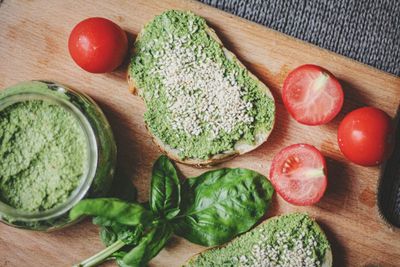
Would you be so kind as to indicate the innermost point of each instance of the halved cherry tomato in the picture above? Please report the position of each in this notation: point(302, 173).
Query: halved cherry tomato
point(312, 95)
point(363, 136)
point(98, 45)
point(298, 173)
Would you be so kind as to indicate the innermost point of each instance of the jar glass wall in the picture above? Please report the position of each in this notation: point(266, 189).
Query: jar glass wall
point(101, 152)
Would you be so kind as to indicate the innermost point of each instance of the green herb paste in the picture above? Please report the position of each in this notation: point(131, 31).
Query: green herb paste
point(199, 100)
point(43, 154)
point(288, 240)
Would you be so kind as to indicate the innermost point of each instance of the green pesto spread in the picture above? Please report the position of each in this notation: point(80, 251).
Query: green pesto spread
point(290, 240)
point(43, 155)
point(199, 100)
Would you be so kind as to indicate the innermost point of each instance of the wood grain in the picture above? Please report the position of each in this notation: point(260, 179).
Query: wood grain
point(33, 45)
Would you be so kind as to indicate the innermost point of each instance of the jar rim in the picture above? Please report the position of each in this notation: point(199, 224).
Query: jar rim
point(90, 167)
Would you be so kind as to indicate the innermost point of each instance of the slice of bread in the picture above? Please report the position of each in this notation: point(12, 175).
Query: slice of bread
point(138, 85)
point(233, 253)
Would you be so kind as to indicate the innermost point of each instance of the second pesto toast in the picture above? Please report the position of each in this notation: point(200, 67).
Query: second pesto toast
point(289, 240)
point(203, 105)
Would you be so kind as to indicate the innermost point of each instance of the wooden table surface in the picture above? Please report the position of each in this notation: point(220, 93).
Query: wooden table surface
point(33, 45)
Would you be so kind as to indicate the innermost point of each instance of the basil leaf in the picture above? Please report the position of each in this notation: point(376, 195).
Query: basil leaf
point(114, 209)
point(108, 230)
point(101, 221)
point(108, 236)
point(130, 235)
point(172, 213)
point(165, 189)
point(111, 231)
point(149, 246)
point(220, 204)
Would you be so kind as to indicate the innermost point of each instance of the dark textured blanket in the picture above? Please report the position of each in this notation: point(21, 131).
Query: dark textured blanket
point(365, 30)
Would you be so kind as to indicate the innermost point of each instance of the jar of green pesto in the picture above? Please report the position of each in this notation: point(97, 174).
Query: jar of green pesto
point(56, 148)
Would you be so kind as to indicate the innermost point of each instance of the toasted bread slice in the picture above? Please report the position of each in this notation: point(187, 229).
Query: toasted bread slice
point(241, 145)
point(242, 243)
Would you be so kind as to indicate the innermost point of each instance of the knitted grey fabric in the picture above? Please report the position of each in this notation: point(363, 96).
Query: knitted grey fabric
point(365, 30)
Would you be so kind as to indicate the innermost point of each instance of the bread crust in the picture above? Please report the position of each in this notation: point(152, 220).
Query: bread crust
point(218, 158)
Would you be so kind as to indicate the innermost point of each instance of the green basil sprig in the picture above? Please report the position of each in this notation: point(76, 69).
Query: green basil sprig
point(209, 210)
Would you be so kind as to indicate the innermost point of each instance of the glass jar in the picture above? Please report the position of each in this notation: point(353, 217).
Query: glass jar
point(96, 180)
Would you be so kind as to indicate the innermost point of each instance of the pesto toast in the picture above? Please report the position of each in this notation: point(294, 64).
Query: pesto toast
point(289, 240)
point(202, 105)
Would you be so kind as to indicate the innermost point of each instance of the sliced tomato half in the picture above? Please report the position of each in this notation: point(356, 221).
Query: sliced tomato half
point(298, 173)
point(312, 95)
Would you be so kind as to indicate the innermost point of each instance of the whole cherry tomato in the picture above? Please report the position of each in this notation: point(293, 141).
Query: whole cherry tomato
point(98, 45)
point(363, 136)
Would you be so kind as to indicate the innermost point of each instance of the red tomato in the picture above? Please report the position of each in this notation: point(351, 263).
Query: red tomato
point(298, 173)
point(312, 95)
point(363, 136)
point(98, 45)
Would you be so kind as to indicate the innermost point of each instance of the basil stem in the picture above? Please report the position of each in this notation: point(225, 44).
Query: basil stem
point(102, 255)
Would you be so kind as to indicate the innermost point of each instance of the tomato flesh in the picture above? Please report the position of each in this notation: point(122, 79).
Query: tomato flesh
point(363, 136)
point(98, 45)
point(298, 173)
point(312, 95)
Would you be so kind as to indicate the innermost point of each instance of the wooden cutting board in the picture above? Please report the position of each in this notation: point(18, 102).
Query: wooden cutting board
point(33, 45)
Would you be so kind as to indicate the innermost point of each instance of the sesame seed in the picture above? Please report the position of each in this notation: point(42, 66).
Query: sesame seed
point(288, 251)
point(203, 98)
